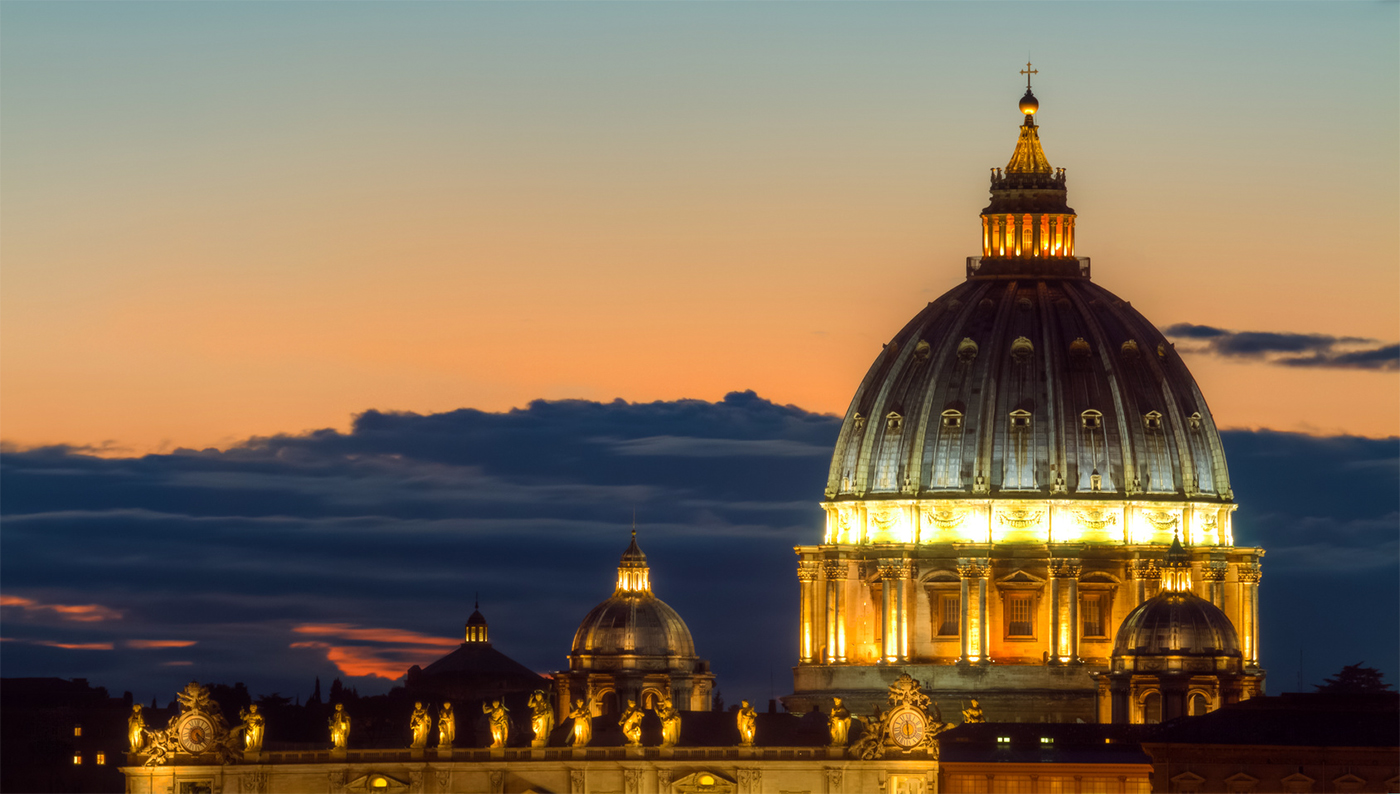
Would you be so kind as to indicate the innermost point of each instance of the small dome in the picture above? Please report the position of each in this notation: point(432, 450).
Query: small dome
point(476, 619)
point(632, 629)
point(633, 624)
point(1176, 624)
point(1029, 104)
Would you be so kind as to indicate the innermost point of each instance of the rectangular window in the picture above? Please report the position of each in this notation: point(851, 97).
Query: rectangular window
point(1020, 621)
point(77, 730)
point(101, 759)
point(77, 759)
point(951, 615)
point(1091, 608)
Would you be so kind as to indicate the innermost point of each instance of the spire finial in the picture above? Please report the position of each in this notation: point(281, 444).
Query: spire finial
point(634, 523)
point(1028, 71)
point(477, 600)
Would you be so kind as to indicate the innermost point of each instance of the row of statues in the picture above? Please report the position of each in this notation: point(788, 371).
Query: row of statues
point(541, 724)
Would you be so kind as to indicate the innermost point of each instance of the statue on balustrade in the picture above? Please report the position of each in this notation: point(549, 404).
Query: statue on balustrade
point(541, 718)
point(340, 727)
point(136, 729)
point(420, 724)
point(499, 717)
point(447, 727)
point(974, 714)
point(583, 723)
point(839, 722)
point(670, 722)
point(253, 726)
point(631, 723)
point(747, 720)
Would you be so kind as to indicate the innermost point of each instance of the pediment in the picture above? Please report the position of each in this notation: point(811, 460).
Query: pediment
point(1021, 577)
point(376, 781)
point(705, 780)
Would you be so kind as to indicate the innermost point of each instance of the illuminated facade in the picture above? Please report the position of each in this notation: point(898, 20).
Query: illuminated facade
point(1007, 481)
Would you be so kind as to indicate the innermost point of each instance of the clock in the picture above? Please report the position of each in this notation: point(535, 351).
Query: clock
point(195, 734)
point(907, 729)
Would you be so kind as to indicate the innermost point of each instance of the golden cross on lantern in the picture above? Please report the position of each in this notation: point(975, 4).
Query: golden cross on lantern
point(1028, 71)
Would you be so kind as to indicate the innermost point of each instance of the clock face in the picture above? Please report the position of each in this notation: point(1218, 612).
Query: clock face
point(195, 734)
point(907, 729)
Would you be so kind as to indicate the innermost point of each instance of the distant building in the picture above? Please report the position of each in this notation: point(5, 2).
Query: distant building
point(61, 735)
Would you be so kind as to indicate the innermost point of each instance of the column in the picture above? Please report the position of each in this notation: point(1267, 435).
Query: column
point(1142, 573)
point(807, 581)
point(1064, 613)
point(1214, 575)
point(836, 611)
point(906, 606)
point(974, 572)
point(1249, 574)
point(889, 634)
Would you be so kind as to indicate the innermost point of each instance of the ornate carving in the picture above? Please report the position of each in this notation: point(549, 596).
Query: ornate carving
point(632, 781)
point(1214, 571)
point(663, 780)
point(884, 520)
point(750, 780)
point(892, 569)
point(807, 570)
point(1161, 520)
point(336, 778)
point(199, 730)
point(835, 569)
point(1210, 523)
point(946, 520)
point(833, 779)
point(974, 567)
point(1095, 519)
point(1144, 570)
point(1248, 572)
point(1066, 567)
point(498, 781)
point(444, 780)
point(911, 722)
point(1020, 518)
point(576, 781)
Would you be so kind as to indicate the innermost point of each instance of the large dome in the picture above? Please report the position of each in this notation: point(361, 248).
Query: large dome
point(1024, 385)
point(1028, 378)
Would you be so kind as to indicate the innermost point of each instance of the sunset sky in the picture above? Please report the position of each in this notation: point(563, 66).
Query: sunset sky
point(224, 226)
point(226, 219)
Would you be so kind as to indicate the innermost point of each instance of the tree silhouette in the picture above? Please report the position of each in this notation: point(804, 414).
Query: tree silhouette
point(1354, 680)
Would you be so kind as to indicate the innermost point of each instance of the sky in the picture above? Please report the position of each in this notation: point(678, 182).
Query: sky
point(313, 317)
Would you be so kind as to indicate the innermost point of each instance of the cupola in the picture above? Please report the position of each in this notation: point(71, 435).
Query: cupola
point(476, 626)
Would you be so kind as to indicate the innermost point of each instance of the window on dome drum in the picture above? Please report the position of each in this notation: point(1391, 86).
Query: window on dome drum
point(77, 759)
point(952, 418)
point(1152, 420)
point(948, 610)
point(1020, 419)
point(1152, 708)
point(1091, 419)
point(1020, 620)
point(1091, 608)
point(101, 758)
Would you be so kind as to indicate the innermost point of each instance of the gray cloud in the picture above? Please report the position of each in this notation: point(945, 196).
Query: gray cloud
point(1288, 349)
point(396, 524)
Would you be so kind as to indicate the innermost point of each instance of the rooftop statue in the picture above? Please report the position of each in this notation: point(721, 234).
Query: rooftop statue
point(631, 723)
point(670, 722)
point(747, 719)
point(839, 722)
point(340, 727)
point(420, 724)
point(253, 726)
point(541, 718)
point(447, 727)
point(974, 714)
point(583, 723)
point(499, 717)
point(136, 729)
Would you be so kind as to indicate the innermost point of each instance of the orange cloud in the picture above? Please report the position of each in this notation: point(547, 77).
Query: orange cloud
point(79, 613)
point(76, 646)
point(348, 631)
point(400, 650)
point(160, 643)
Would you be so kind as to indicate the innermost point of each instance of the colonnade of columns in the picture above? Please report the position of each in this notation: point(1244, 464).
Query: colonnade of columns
point(1248, 575)
point(1027, 235)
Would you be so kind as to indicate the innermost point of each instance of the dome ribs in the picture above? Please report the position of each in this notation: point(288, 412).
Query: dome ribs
point(946, 373)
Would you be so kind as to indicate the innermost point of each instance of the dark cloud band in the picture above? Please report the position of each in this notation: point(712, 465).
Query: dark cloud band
point(1290, 350)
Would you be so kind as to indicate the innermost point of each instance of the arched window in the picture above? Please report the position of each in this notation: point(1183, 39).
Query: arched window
point(1152, 708)
point(1199, 704)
